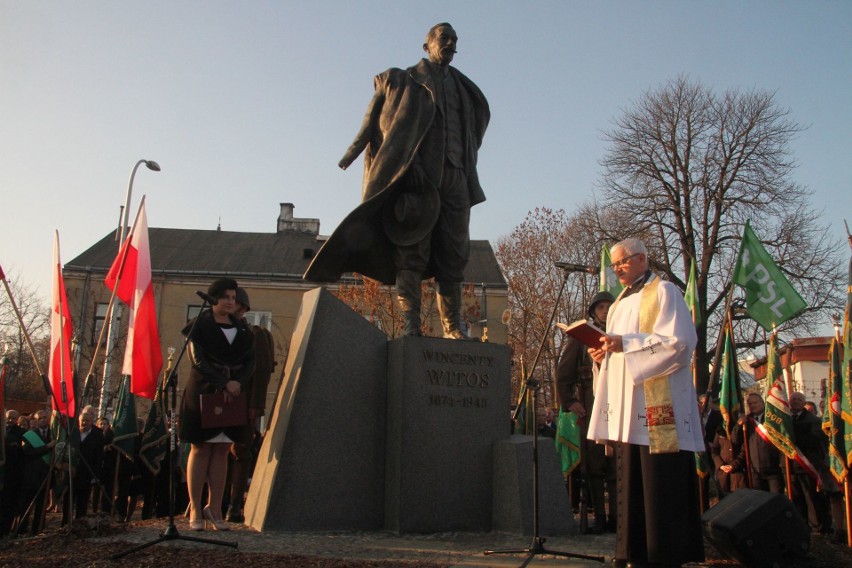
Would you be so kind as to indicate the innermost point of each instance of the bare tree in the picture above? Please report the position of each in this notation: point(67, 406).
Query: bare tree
point(688, 168)
point(527, 257)
point(377, 303)
point(22, 377)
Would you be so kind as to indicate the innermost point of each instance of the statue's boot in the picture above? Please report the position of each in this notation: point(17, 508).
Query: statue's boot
point(449, 308)
point(408, 294)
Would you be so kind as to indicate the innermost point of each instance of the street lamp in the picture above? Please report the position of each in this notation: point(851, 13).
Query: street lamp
point(115, 313)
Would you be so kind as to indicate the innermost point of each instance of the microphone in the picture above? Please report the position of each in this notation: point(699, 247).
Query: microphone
point(571, 267)
point(207, 298)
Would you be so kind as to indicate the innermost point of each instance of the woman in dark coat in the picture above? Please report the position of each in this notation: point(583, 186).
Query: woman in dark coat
point(222, 356)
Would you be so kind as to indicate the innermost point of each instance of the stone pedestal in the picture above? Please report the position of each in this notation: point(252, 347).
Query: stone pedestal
point(448, 403)
point(322, 463)
point(409, 435)
point(513, 488)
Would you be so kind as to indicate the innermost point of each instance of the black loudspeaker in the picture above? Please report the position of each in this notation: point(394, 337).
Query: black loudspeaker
point(757, 528)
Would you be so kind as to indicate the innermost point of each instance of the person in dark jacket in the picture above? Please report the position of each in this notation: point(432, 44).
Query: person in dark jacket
point(724, 452)
point(813, 443)
point(575, 389)
point(221, 350)
point(763, 457)
point(89, 465)
point(13, 473)
point(241, 459)
point(38, 448)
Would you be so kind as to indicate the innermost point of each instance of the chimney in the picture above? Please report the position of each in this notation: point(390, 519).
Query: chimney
point(285, 217)
point(286, 221)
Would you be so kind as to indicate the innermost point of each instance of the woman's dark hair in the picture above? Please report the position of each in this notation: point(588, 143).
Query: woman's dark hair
point(217, 289)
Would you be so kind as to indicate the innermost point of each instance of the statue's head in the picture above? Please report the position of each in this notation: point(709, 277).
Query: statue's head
point(441, 43)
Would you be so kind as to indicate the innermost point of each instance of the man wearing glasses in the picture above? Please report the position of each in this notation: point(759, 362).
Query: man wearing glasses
point(645, 402)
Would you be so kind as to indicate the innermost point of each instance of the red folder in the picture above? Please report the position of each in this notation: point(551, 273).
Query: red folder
point(217, 413)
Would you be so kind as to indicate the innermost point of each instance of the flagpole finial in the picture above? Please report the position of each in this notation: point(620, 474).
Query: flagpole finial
point(835, 321)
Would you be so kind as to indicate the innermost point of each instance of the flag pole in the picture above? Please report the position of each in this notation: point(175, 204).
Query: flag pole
point(720, 340)
point(64, 385)
point(112, 315)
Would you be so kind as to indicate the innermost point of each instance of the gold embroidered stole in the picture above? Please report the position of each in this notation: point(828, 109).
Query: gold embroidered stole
point(662, 431)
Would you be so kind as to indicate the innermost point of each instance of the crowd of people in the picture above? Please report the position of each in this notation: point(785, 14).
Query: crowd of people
point(747, 459)
point(77, 468)
point(635, 404)
point(72, 469)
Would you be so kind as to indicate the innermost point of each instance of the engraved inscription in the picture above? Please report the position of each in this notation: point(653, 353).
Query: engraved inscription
point(443, 378)
point(461, 402)
point(465, 373)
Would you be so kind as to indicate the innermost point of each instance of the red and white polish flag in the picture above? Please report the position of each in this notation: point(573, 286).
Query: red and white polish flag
point(131, 272)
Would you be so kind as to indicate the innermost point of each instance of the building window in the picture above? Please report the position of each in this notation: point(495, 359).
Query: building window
point(262, 319)
point(99, 320)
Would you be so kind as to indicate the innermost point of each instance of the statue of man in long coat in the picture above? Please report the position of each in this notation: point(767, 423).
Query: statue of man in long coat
point(422, 133)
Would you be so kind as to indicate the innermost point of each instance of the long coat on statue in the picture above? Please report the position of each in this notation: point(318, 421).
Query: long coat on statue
point(402, 123)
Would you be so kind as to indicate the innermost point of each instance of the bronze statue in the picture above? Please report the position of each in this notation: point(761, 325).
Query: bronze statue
point(422, 132)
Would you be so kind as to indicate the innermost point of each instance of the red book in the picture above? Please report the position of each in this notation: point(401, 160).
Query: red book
point(584, 331)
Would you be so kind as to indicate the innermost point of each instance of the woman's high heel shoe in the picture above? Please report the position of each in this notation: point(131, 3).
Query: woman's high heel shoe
point(196, 525)
point(218, 525)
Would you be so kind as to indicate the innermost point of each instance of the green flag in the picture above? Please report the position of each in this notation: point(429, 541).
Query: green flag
point(770, 298)
point(691, 295)
point(701, 465)
point(730, 399)
point(526, 420)
point(568, 441)
point(124, 424)
point(836, 418)
point(609, 281)
point(155, 437)
point(778, 420)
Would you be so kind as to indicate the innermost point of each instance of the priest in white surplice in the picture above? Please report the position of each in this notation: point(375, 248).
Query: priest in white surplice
point(645, 405)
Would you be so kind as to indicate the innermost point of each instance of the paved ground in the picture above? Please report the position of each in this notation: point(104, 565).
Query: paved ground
point(445, 549)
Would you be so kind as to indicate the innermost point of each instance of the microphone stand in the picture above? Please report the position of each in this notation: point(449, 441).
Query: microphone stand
point(171, 532)
point(531, 384)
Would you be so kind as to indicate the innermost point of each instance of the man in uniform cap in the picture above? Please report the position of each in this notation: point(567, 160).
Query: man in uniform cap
point(575, 389)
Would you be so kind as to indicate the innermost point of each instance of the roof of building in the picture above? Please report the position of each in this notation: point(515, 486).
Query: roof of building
point(279, 256)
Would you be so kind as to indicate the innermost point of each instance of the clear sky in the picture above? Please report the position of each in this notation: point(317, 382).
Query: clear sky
point(247, 104)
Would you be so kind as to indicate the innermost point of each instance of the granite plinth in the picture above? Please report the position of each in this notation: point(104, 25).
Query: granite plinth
point(513, 488)
point(448, 403)
point(321, 466)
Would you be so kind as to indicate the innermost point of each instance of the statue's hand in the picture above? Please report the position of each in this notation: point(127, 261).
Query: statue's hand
point(417, 177)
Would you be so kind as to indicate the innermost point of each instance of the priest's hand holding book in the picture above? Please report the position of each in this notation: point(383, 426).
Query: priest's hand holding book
point(593, 337)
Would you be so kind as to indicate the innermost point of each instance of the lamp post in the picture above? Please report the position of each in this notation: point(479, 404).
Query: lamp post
point(115, 313)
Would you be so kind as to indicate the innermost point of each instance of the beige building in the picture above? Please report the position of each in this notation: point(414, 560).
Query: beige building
point(268, 265)
point(806, 368)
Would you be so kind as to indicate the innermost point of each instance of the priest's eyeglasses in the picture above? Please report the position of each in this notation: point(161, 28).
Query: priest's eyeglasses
point(623, 261)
